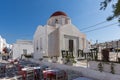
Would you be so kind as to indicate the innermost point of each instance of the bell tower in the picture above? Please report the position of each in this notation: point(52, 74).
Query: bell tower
point(58, 18)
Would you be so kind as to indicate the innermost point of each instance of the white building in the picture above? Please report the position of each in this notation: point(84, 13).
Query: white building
point(3, 44)
point(57, 35)
point(22, 47)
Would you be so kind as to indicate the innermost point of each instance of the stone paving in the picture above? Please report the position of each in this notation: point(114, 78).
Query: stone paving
point(72, 75)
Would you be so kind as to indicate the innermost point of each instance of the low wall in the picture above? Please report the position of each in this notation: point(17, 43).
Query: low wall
point(106, 66)
point(84, 71)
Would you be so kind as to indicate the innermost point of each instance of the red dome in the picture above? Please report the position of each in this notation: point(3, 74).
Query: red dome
point(58, 13)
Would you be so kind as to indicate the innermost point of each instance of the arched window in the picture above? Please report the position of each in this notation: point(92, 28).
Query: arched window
point(56, 21)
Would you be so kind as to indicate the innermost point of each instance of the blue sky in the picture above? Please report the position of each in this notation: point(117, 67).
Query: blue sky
point(20, 18)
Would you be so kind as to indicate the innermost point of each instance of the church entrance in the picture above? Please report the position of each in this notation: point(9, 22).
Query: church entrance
point(71, 44)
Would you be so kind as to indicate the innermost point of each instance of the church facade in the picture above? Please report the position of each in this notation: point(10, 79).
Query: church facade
point(59, 34)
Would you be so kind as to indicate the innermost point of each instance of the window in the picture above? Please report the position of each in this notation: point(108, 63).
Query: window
point(56, 21)
point(71, 45)
point(37, 48)
point(40, 43)
point(24, 51)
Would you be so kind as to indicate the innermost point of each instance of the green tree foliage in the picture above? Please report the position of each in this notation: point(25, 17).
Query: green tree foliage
point(100, 67)
point(112, 68)
point(115, 6)
point(70, 59)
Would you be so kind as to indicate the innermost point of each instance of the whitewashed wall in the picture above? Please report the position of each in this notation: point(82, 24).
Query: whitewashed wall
point(53, 43)
point(2, 43)
point(40, 42)
point(18, 49)
point(71, 30)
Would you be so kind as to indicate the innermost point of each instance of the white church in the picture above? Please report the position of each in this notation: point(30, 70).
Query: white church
point(59, 34)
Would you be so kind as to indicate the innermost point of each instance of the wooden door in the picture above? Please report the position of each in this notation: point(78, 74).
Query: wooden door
point(71, 43)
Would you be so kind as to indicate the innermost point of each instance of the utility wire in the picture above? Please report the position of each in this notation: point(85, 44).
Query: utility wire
point(96, 24)
point(93, 25)
point(101, 27)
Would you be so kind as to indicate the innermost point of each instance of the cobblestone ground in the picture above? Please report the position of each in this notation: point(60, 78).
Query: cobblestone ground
point(73, 75)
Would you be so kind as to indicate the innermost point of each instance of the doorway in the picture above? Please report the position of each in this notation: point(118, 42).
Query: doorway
point(71, 44)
